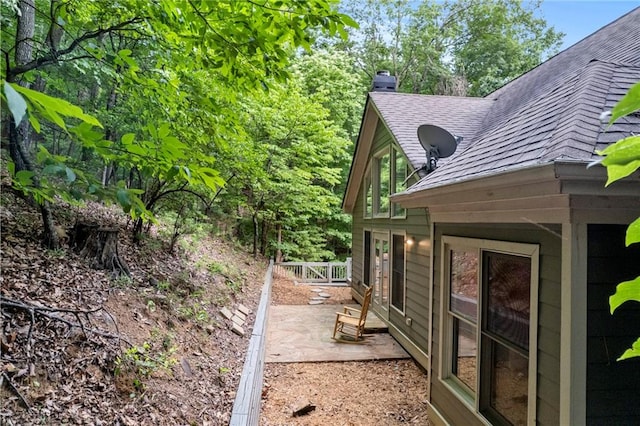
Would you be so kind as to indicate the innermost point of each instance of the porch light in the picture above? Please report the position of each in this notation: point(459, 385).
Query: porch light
point(409, 241)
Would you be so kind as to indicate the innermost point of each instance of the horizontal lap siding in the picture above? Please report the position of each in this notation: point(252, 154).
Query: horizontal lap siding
point(548, 399)
point(613, 388)
point(417, 259)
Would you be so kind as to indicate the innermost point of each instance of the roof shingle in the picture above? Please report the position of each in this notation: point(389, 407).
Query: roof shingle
point(548, 114)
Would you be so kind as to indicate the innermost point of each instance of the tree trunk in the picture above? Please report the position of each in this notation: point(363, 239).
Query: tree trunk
point(255, 235)
point(20, 135)
point(279, 250)
point(100, 245)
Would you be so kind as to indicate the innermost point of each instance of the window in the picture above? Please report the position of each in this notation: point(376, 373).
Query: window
point(385, 175)
point(382, 186)
point(397, 273)
point(366, 267)
point(368, 195)
point(399, 177)
point(489, 339)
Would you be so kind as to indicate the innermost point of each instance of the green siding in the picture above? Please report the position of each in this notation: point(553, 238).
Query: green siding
point(417, 259)
point(548, 398)
point(613, 388)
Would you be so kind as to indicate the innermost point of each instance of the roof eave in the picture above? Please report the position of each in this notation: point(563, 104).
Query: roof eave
point(556, 192)
point(360, 153)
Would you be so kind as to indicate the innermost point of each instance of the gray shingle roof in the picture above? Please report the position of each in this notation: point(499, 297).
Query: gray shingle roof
point(403, 113)
point(548, 114)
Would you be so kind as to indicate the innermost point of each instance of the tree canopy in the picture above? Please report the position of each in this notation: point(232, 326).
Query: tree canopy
point(465, 47)
point(243, 113)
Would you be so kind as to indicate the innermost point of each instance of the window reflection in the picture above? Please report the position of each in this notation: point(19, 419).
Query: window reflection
point(509, 384)
point(465, 353)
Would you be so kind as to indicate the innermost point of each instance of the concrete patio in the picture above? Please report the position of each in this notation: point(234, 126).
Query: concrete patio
point(302, 333)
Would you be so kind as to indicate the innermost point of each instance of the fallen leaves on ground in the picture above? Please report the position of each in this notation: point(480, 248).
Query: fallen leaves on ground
point(82, 347)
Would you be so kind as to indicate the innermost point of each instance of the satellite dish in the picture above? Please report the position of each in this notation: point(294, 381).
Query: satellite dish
point(437, 142)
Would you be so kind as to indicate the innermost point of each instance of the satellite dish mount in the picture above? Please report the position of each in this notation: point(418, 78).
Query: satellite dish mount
point(437, 143)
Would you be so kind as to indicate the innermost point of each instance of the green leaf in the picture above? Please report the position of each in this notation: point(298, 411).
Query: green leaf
point(122, 195)
point(52, 169)
point(628, 104)
point(16, 103)
point(23, 177)
point(616, 172)
point(622, 152)
point(34, 122)
point(127, 139)
point(633, 233)
point(625, 291)
point(71, 176)
point(173, 171)
point(632, 352)
point(54, 107)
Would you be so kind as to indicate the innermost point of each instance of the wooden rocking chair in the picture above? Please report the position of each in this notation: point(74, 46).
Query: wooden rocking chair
point(351, 321)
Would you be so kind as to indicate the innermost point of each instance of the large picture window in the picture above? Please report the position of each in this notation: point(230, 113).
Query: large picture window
point(489, 340)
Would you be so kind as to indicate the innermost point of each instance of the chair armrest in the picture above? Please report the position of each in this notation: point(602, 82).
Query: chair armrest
point(348, 310)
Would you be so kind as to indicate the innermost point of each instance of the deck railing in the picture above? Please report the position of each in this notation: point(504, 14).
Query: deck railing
point(315, 272)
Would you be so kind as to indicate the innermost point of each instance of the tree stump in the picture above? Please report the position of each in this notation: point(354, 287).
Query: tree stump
point(101, 246)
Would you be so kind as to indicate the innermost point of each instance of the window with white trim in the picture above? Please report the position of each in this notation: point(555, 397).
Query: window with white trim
point(489, 339)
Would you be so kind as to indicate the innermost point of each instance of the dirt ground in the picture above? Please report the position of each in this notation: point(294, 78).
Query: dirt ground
point(343, 393)
point(81, 347)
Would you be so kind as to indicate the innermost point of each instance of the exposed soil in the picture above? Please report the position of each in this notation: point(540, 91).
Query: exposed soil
point(342, 393)
point(152, 349)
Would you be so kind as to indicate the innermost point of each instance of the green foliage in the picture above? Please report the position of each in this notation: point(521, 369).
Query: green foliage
point(140, 362)
point(463, 47)
point(621, 159)
point(160, 83)
point(197, 312)
point(122, 281)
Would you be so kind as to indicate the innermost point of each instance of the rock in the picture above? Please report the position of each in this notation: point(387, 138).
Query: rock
point(317, 298)
point(226, 313)
point(316, 302)
point(303, 409)
point(325, 295)
point(237, 320)
point(186, 367)
point(244, 309)
point(316, 290)
point(237, 329)
point(240, 315)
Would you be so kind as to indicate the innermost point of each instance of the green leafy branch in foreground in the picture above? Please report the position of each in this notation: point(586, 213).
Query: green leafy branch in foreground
point(621, 160)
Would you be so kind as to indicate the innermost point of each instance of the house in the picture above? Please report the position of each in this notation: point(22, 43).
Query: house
point(494, 270)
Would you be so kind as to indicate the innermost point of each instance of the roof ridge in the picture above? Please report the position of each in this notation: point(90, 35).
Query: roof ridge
point(565, 52)
point(566, 127)
point(474, 98)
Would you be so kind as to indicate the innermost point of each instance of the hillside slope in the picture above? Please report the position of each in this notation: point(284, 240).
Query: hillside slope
point(82, 347)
